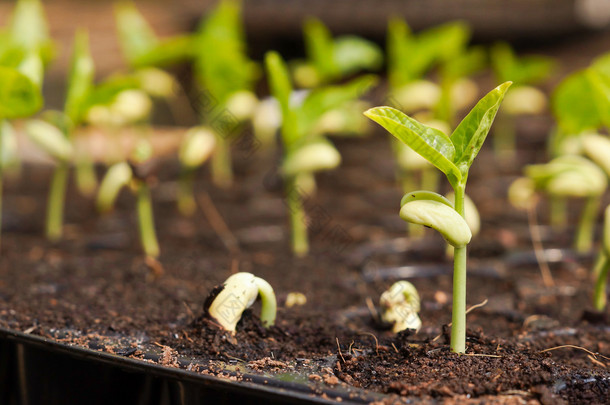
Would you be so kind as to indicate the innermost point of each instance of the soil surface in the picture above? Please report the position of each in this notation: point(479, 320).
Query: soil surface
point(527, 344)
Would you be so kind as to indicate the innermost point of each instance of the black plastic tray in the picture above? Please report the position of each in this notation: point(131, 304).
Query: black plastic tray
point(36, 370)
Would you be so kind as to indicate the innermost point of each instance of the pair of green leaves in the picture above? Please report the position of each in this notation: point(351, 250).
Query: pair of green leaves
point(522, 71)
point(451, 155)
point(298, 121)
point(410, 57)
point(339, 57)
point(140, 44)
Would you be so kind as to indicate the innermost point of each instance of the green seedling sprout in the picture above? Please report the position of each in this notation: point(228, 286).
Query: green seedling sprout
point(197, 146)
point(410, 58)
point(573, 176)
point(56, 136)
point(305, 151)
point(453, 156)
point(124, 174)
point(471, 215)
point(400, 306)
point(523, 98)
point(226, 77)
point(600, 271)
point(332, 59)
point(237, 294)
point(19, 97)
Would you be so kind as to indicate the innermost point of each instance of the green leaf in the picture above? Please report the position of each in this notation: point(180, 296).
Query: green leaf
point(430, 143)
point(80, 80)
point(19, 97)
point(600, 83)
point(281, 89)
point(574, 104)
point(521, 71)
point(136, 37)
point(29, 29)
point(320, 49)
point(324, 99)
point(352, 54)
point(167, 52)
point(222, 66)
point(470, 134)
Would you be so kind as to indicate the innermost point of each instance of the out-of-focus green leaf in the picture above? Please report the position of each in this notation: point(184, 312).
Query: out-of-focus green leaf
point(29, 30)
point(281, 89)
point(167, 52)
point(221, 65)
point(19, 96)
point(320, 50)
point(352, 54)
point(521, 71)
point(105, 92)
point(574, 104)
point(136, 37)
point(327, 98)
point(80, 80)
point(600, 83)
point(470, 134)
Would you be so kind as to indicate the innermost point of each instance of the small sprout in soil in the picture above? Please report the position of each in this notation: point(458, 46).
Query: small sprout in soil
point(602, 265)
point(400, 306)
point(453, 156)
point(305, 150)
point(572, 176)
point(236, 295)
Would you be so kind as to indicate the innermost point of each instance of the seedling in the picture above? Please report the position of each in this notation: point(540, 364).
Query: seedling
point(523, 98)
point(400, 306)
point(305, 150)
point(56, 135)
point(410, 58)
point(135, 176)
point(573, 176)
point(453, 156)
point(19, 97)
point(602, 265)
point(225, 76)
point(237, 294)
point(332, 59)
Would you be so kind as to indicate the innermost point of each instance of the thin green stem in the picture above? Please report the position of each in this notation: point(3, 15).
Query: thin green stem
point(599, 293)
point(55, 204)
point(86, 180)
point(186, 198)
point(222, 172)
point(558, 212)
point(599, 264)
point(458, 327)
point(298, 218)
point(586, 225)
point(146, 221)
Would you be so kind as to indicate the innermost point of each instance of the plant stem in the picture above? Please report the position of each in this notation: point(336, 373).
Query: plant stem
point(584, 233)
point(298, 218)
point(458, 327)
point(599, 264)
point(55, 204)
point(558, 212)
point(186, 199)
point(86, 180)
point(146, 221)
point(222, 173)
point(599, 294)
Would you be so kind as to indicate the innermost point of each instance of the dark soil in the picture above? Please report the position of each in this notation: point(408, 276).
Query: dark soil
point(528, 344)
